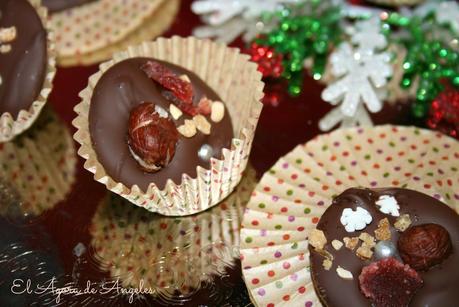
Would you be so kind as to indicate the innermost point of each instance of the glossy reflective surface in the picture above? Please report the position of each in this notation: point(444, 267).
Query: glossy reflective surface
point(81, 245)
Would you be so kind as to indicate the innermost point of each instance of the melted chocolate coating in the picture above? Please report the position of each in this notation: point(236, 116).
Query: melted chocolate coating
point(23, 69)
point(125, 86)
point(440, 282)
point(61, 5)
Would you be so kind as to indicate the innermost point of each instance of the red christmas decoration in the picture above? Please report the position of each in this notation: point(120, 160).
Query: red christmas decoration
point(444, 113)
point(269, 62)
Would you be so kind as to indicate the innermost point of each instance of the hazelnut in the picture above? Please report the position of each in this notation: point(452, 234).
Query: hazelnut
point(424, 246)
point(152, 136)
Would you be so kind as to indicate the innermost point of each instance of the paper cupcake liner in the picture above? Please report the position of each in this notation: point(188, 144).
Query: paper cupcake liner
point(9, 126)
point(169, 254)
point(40, 165)
point(96, 25)
point(290, 198)
point(153, 26)
point(234, 79)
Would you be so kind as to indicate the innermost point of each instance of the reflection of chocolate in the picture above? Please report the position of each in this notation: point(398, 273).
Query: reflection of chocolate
point(169, 254)
point(123, 87)
point(23, 68)
point(439, 282)
point(60, 5)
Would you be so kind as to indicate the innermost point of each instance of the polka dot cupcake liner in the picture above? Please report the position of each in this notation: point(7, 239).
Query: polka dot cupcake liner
point(169, 254)
point(40, 165)
point(153, 26)
point(291, 197)
point(238, 83)
point(94, 26)
point(10, 127)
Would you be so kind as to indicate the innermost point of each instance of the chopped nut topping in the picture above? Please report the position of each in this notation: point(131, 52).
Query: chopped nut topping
point(185, 78)
point(317, 239)
point(403, 222)
point(327, 264)
point(5, 48)
point(188, 130)
point(7, 35)
point(324, 253)
point(351, 243)
point(175, 112)
point(344, 274)
point(382, 233)
point(364, 252)
point(367, 239)
point(337, 244)
point(202, 124)
point(218, 111)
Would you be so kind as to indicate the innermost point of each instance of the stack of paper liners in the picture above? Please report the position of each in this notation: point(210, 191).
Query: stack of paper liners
point(237, 82)
point(169, 254)
point(290, 199)
point(39, 164)
point(93, 32)
point(9, 126)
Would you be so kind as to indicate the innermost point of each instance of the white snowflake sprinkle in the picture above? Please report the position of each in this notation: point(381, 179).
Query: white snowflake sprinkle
point(355, 220)
point(388, 205)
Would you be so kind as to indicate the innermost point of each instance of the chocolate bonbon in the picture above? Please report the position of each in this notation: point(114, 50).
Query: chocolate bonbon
point(438, 288)
point(120, 89)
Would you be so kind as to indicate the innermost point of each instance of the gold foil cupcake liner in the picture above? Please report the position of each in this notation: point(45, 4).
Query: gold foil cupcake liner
point(291, 197)
point(153, 26)
point(40, 165)
point(9, 126)
point(94, 26)
point(169, 254)
point(238, 83)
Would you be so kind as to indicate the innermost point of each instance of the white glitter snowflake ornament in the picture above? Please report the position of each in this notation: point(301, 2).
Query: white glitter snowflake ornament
point(228, 19)
point(362, 72)
point(448, 13)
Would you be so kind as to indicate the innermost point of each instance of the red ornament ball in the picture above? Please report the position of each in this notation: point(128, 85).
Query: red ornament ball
point(269, 62)
point(444, 113)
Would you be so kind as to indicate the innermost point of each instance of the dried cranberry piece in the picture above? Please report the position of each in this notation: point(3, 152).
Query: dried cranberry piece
point(189, 109)
point(182, 89)
point(389, 283)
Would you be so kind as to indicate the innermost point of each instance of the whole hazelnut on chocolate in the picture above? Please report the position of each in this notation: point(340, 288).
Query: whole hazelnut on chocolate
point(424, 246)
point(152, 136)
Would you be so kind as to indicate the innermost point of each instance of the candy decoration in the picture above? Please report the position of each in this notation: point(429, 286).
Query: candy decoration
point(385, 249)
point(444, 113)
point(269, 62)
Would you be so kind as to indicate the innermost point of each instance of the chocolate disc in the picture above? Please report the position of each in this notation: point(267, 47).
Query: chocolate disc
point(23, 68)
point(61, 5)
point(440, 282)
point(118, 91)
